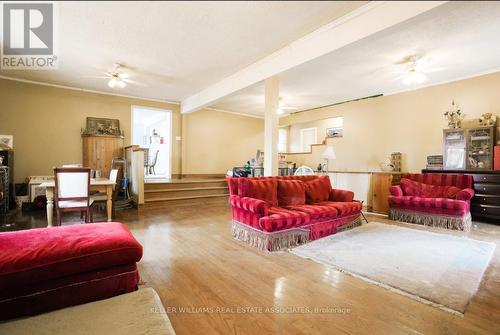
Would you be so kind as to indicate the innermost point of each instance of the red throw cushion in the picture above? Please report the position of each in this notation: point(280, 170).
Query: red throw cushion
point(318, 190)
point(410, 187)
point(414, 188)
point(263, 189)
point(291, 192)
point(31, 256)
point(450, 192)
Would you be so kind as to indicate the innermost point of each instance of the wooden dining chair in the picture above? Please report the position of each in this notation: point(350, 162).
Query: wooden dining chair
point(72, 192)
point(153, 163)
point(146, 160)
point(101, 197)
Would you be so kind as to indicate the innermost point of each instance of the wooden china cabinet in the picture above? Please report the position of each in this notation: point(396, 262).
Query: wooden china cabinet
point(99, 151)
point(470, 151)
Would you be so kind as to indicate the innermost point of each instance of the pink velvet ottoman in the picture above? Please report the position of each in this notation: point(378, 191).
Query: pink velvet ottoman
point(50, 268)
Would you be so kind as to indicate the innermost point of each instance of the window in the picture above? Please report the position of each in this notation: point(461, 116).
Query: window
point(283, 140)
point(308, 136)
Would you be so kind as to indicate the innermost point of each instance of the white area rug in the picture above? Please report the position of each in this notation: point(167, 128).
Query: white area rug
point(136, 313)
point(442, 270)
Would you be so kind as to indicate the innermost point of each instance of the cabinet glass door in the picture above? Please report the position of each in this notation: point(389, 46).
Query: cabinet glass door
point(479, 149)
point(454, 149)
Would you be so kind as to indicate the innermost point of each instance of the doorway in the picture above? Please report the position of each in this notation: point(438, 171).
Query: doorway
point(152, 131)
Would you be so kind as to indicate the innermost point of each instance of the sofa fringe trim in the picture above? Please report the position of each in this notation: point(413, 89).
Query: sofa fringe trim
point(275, 241)
point(281, 240)
point(463, 223)
point(356, 223)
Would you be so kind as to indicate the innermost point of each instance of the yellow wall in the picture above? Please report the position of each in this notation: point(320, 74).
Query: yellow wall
point(46, 123)
point(217, 141)
point(409, 122)
point(321, 127)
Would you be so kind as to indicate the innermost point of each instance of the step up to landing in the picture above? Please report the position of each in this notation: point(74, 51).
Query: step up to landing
point(181, 190)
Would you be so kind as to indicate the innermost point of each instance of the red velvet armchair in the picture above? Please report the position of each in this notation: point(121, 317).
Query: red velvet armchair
point(275, 213)
point(438, 200)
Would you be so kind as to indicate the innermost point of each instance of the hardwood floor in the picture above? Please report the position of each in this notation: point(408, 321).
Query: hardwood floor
point(211, 284)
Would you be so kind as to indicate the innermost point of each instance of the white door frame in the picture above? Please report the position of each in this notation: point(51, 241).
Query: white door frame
point(302, 131)
point(171, 140)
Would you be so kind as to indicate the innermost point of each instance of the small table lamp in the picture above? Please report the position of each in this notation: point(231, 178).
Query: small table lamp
point(328, 154)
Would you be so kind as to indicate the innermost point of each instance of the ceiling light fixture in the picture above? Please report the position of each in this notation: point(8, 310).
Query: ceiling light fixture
point(414, 76)
point(117, 78)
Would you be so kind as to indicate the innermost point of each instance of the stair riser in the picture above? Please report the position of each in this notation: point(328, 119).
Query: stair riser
point(172, 186)
point(177, 194)
point(188, 202)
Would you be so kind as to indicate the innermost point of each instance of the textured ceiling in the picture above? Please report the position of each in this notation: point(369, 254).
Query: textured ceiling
point(174, 48)
point(455, 40)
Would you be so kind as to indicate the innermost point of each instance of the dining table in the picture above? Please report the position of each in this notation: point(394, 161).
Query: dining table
point(103, 185)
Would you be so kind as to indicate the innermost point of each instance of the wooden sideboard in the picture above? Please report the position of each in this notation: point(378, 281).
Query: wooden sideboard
point(485, 204)
point(99, 151)
point(371, 187)
point(381, 182)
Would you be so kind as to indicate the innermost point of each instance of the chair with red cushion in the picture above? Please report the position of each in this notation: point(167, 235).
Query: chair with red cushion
point(438, 200)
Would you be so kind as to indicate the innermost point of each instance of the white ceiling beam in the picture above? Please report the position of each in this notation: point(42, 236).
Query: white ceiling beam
point(360, 23)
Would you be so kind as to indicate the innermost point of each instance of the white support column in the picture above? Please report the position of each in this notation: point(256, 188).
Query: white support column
point(271, 126)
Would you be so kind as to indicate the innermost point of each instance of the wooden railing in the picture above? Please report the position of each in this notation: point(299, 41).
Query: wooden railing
point(135, 168)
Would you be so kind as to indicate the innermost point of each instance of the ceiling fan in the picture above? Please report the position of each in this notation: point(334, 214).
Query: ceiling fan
point(118, 77)
point(417, 69)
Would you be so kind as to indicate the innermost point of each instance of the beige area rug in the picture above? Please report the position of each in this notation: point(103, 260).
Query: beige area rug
point(136, 313)
point(441, 270)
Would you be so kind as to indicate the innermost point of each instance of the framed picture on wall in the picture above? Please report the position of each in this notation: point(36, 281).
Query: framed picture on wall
point(100, 126)
point(334, 132)
point(7, 140)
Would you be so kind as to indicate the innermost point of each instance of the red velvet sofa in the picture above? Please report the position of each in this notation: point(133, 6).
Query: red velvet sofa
point(438, 200)
point(275, 213)
point(51, 268)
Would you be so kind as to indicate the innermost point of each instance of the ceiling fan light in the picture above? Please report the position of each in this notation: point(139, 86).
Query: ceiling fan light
point(414, 77)
point(112, 82)
point(121, 83)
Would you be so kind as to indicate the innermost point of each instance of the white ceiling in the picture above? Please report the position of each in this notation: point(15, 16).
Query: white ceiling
point(174, 48)
point(455, 40)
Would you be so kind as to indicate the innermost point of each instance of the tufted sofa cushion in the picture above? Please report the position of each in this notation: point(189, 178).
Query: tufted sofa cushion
point(441, 206)
point(34, 255)
point(264, 189)
point(316, 212)
point(291, 192)
point(415, 188)
point(281, 219)
point(318, 189)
